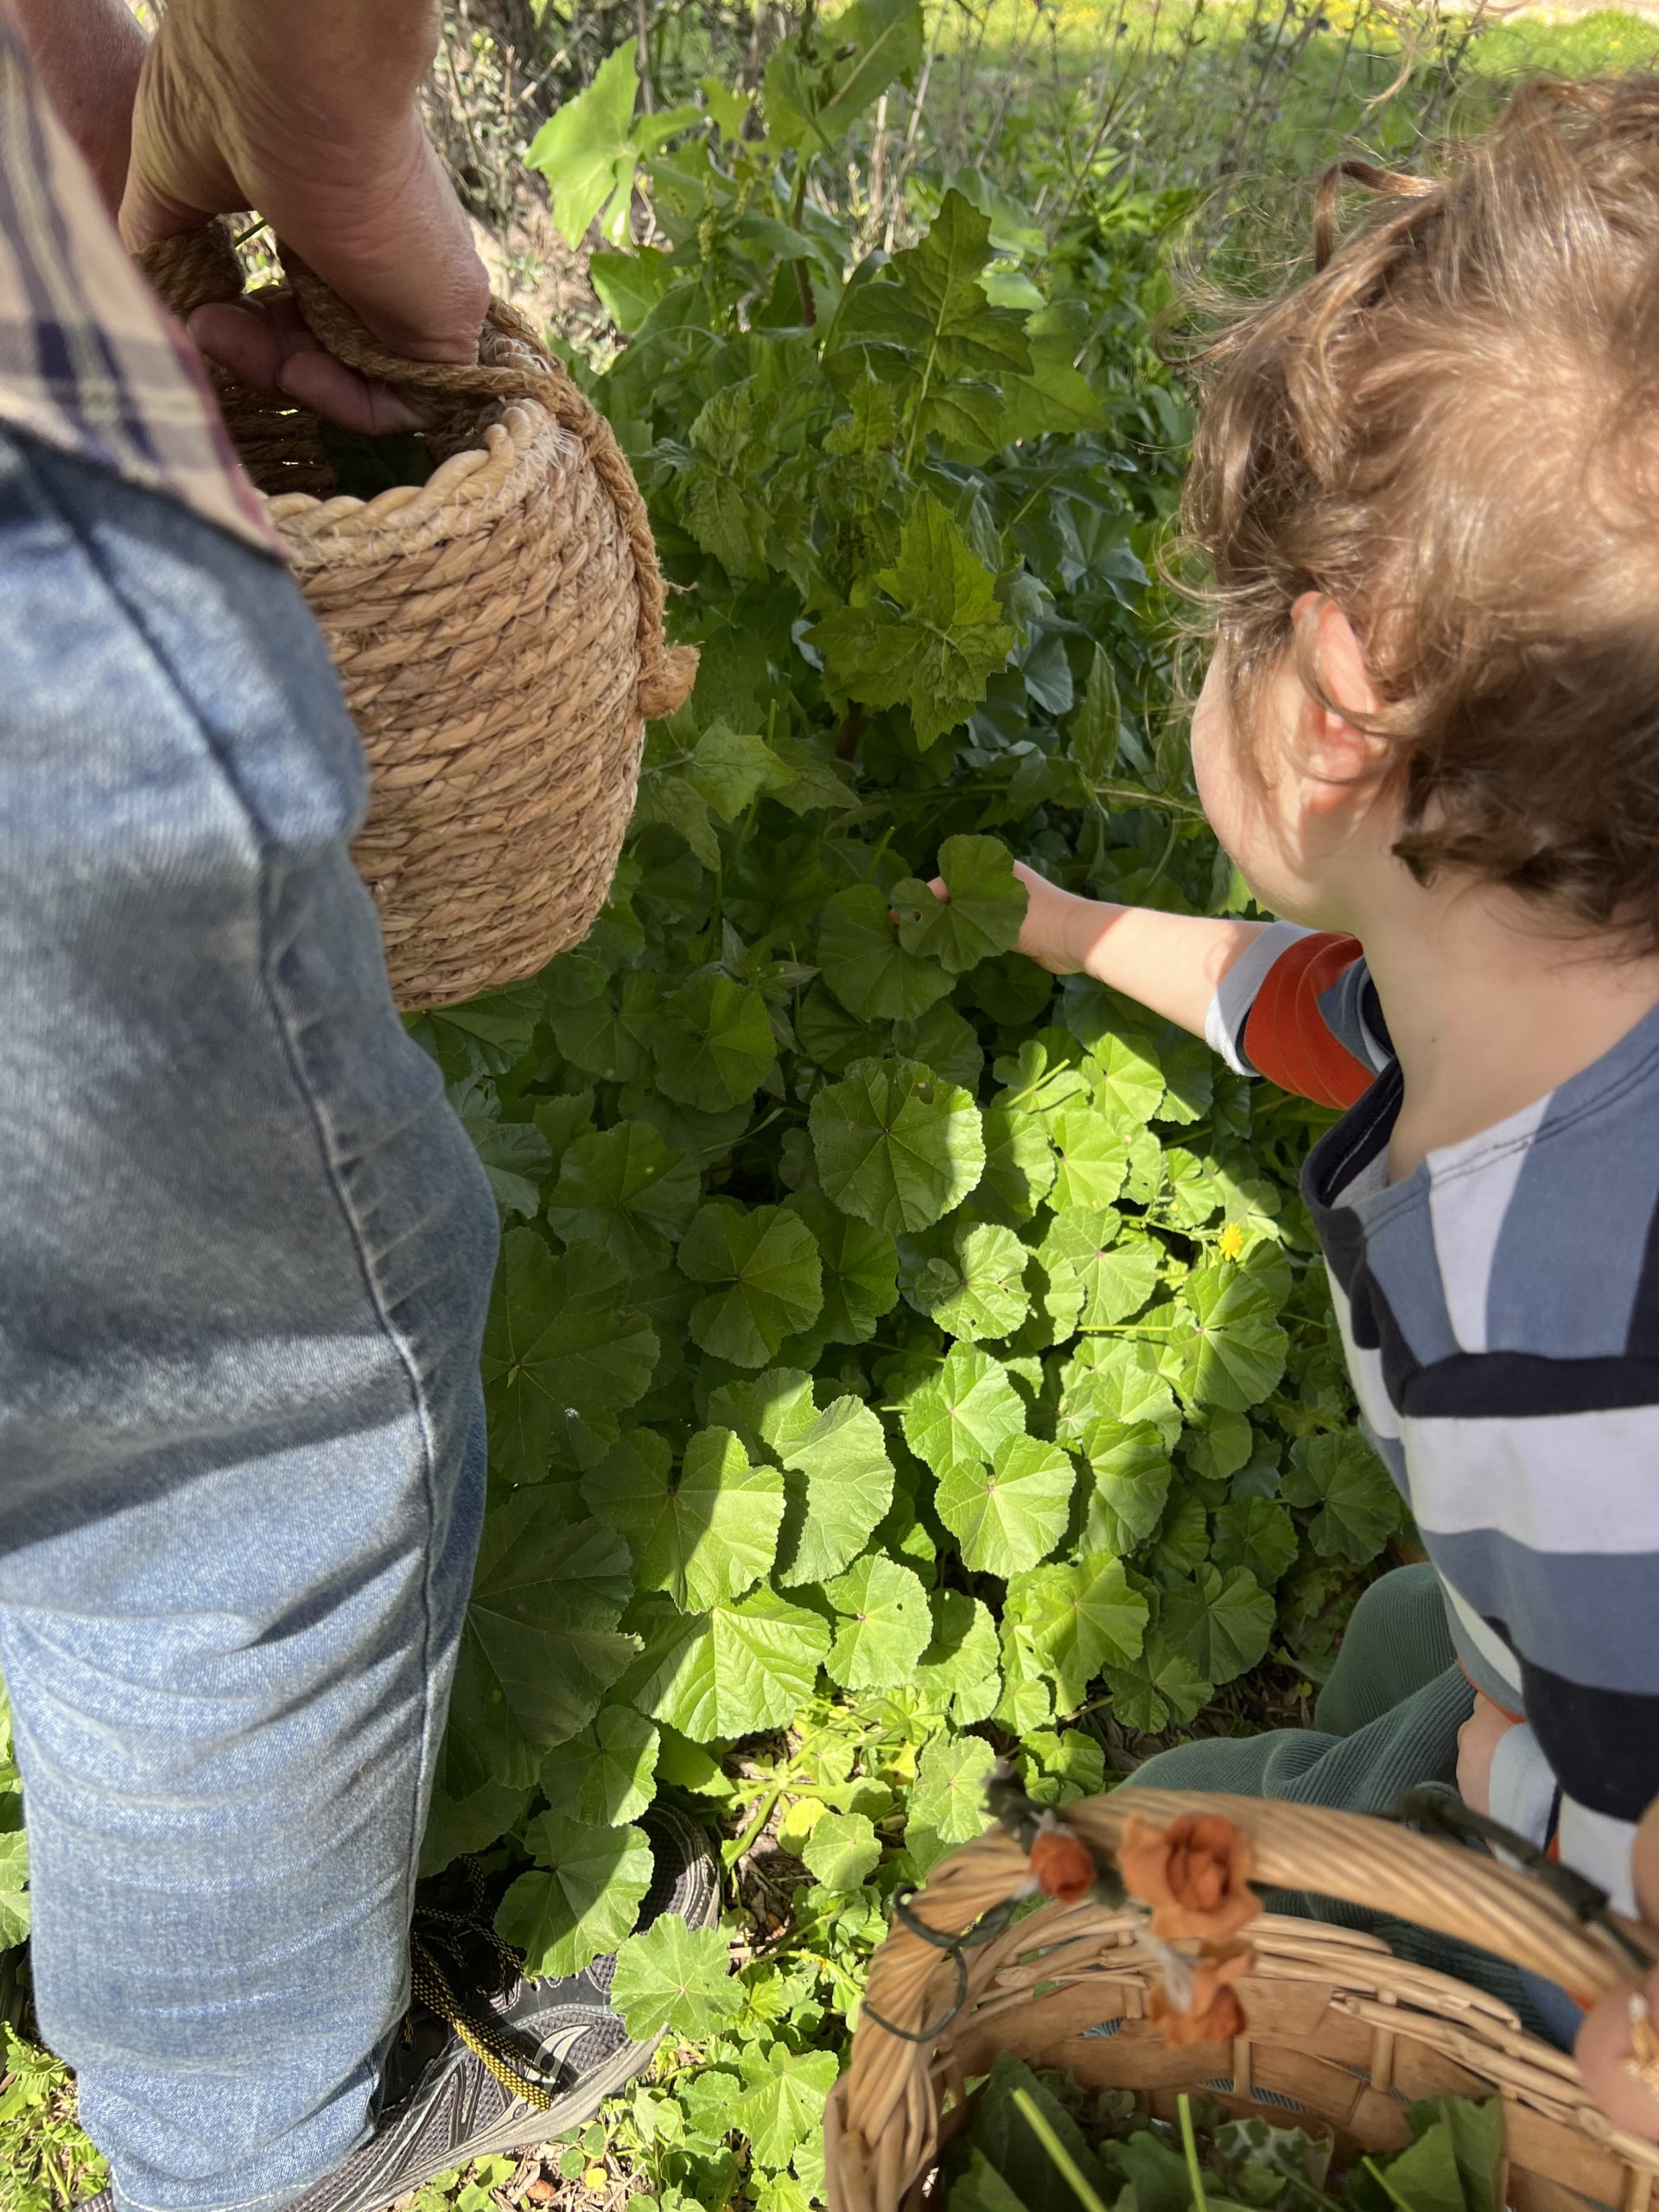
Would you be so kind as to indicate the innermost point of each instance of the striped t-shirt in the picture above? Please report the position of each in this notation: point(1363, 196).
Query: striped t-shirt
point(1500, 1311)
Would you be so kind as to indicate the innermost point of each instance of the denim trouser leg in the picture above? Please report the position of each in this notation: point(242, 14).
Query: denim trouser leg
point(245, 1256)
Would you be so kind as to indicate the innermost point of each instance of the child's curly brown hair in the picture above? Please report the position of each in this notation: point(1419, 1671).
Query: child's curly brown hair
point(1451, 430)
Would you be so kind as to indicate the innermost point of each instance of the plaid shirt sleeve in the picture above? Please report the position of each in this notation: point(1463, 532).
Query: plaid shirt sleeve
point(90, 361)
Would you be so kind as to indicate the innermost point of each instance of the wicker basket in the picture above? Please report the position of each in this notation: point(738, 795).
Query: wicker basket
point(498, 632)
point(1338, 2028)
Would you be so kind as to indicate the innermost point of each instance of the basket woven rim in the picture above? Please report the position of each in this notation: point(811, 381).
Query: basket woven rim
point(1368, 1982)
point(472, 491)
point(914, 2041)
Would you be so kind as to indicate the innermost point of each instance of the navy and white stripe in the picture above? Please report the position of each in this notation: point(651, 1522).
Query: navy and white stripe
point(1500, 1309)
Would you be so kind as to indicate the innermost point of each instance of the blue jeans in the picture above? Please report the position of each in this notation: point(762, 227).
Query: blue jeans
point(245, 1251)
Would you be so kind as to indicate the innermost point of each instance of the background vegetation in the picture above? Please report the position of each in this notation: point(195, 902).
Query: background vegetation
point(900, 1360)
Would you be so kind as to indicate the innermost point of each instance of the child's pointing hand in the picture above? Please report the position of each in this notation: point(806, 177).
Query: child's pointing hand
point(1060, 929)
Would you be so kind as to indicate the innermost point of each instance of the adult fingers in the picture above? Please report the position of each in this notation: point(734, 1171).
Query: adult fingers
point(400, 253)
point(268, 345)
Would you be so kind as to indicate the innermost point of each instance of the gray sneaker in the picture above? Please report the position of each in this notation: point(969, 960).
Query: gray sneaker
point(450, 2090)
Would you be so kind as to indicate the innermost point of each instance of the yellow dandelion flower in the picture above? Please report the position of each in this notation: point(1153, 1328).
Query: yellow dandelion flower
point(1231, 1241)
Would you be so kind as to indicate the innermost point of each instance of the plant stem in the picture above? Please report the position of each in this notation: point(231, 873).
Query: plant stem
point(642, 21)
point(1384, 2183)
point(1037, 2120)
point(1164, 859)
point(1133, 795)
point(803, 282)
point(1189, 2144)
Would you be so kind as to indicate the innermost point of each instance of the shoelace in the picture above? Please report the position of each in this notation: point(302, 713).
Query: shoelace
point(443, 1951)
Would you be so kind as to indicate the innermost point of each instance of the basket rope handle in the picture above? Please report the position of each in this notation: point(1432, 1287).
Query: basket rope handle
point(199, 269)
point(1357, 1860)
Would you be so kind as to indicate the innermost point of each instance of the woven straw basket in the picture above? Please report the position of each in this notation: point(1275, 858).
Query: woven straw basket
point(498, 632)
point(1337, 2027)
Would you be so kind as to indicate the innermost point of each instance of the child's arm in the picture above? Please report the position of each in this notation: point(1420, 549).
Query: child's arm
point(1295, 1004)
point(1171, 963)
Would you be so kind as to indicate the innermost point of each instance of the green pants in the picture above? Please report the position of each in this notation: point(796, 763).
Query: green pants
point(1387, 1720)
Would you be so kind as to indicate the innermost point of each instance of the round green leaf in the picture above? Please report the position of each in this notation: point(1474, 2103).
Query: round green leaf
point(1128, 1082)
point(1115, 1379)
point(765, 1262)
point(14, 1888)
point(775, 1409)
point(1131, 1473)
point(1256, 1533)
point(1191, 1194)
point(962, 1654)
point(1358, 1506)
point(942, 1040)
point(1093, 1159)
point(864, 964)
point(624, 1191)
point(1160, 1689)
point(1019, 1165)
point(838, 1485)
point(708, 1532)
point(1223, 1624)
point(982, 916)
point(861, 1272)
point(540, 1647)
point(1219, 1444)
point(883, 1625)
point(750, 1664)
point(831, 1036)
point(1077, 1617)
point(561, 1342)
point(980, 1291)
point(607, 1774)
point(1062, 1766)
point(895, 1146)
point(1225, 1347)
point(1183, 1536)
point(1012, 1514)
point(673, 1976)
point(947, 1806)
point(1112, 1276)
point(841, 1851)
point(714, 1047)
point(602, 1024)
point(782, 2103)
point(964, 1412)
point(580, 1899)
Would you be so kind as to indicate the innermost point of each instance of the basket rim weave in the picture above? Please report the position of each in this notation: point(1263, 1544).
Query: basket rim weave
point(531, 411)
point(883, 2129)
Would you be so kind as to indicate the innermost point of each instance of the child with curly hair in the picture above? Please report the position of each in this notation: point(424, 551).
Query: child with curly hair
point(1425, 486)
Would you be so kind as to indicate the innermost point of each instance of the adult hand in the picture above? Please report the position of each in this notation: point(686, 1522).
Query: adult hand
point(89, 53)
point(305, 110)
point(1605, 2041)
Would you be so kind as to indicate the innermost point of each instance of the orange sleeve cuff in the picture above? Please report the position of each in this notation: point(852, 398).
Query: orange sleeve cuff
point(1286, 1036)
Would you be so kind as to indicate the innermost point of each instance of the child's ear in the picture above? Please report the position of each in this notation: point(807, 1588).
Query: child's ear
point(1329, 746)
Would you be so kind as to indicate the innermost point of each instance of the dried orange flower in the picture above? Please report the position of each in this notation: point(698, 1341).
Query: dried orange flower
point(1213, 2011)
point(1062, 1865)
point(1195, 1875)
